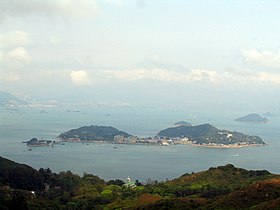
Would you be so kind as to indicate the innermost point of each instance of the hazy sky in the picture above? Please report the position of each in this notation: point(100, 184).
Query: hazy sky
point(156, 52)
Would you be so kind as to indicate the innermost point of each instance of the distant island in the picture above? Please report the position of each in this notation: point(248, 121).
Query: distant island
point(252, 118)
point(201, 135)
point(269, 114)
point(34, 142)
point(210, 136)
point(182, 123)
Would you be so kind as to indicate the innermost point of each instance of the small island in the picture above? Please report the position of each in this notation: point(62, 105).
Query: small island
point(182, 123)
point(34, 142)
point(269, 114)
point(205, 135)
point(252, 118)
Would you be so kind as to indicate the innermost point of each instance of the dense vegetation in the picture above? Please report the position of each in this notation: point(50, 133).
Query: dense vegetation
point(223, 187)
point(93, 132)
point(207, 133)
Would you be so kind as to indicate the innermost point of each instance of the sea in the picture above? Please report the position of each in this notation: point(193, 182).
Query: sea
point(142, 162)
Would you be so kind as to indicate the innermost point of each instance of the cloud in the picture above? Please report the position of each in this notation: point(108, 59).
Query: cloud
point(143, 74)
point(204, 75)
point(9, 76)
point(13, 39)
point(265, 58)
point(141, 3)
point(56, 8)
point(270, 78)
point(80, 78)
point(19, 54)
point(165, 75)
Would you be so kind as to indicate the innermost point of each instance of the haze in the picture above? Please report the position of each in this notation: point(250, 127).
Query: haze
point(143, 53)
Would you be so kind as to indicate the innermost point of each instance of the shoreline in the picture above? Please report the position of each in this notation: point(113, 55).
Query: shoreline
point(229, 146)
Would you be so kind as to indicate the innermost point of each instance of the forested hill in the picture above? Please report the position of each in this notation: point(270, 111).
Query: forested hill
point(19, 175)
point(93, 133)
point(223, 187)
point(206, 134)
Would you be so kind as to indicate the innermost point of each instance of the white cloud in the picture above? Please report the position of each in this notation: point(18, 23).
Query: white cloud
point(80, 78)
point(59, 8)
point(13, 39)
point(166, 75)
point(19, 54)
point(265, 58)
point(9, 76)
point(270, 78)
point(204, 75)
point(142, 74)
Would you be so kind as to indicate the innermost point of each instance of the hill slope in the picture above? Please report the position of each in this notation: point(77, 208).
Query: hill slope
point(223, 187)
point(19, 175)
point(208, 134)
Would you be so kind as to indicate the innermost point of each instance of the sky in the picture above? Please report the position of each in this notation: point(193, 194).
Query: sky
point(170, 53)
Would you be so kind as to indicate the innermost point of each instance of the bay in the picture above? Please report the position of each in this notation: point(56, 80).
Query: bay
point(137, 161)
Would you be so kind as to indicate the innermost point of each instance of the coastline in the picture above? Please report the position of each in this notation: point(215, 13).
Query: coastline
point(229, 146)
point(221, 146)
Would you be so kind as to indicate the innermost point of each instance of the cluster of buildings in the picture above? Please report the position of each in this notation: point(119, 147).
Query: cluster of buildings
point(156, 140)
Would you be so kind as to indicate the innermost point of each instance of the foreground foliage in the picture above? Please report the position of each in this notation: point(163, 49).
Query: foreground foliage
point(224, 187)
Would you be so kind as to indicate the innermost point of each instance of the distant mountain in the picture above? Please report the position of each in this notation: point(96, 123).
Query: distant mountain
point(252, 118)
point(8, 99)
point(269, 114)
point(208, 134)
point(93, 133)
point(183, 123)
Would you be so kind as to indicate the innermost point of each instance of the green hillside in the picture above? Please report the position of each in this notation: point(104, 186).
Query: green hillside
point(223, 187)
point(206, 134)
point(93, 133)
point(19, 176)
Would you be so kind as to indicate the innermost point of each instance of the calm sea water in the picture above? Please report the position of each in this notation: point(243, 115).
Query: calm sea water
point(137, 161)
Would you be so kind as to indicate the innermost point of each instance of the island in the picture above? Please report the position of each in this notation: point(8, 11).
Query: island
point(205, 135)
point(34, 142)
point(269, 114)
point(93, 133)
point(252, 118)
point(209, 136)
point(182, 123)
